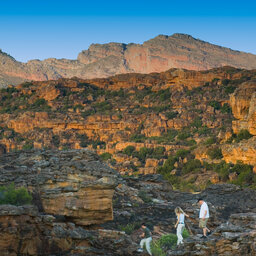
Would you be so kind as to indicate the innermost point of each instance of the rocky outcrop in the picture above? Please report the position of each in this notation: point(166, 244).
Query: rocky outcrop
point(236, 237)
point(24, 231)
point(74, 184)
point(243, 103)
point(155, 55)
point(61, 229)
point(244, 151)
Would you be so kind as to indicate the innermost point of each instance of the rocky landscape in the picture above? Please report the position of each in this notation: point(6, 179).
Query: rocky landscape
point(155, 55)
point(72, 213)
point(163, 140)
point(194, 127)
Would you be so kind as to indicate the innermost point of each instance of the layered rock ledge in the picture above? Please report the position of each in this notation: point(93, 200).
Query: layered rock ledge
point(73, 183)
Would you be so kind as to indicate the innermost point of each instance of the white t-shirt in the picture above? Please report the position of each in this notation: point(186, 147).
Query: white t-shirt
point(203, 208)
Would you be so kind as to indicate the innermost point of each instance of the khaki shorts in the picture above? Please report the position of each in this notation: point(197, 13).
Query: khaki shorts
point(202, 223)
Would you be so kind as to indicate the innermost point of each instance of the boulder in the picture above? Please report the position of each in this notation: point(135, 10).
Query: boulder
point(74, 183)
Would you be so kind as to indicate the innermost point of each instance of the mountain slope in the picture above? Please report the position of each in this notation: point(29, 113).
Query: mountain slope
point(103, 60)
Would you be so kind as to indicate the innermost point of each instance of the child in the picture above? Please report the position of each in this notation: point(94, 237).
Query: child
point(180, 224)
point(147, 239)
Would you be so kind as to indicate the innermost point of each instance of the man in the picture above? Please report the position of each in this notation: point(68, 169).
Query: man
point(203, 216)
point(147, 239)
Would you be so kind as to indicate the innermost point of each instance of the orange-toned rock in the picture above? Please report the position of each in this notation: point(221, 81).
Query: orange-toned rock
point(155, 55)
point(150, 162)
point(244, 151)
point(69, 183)
point(243, 103)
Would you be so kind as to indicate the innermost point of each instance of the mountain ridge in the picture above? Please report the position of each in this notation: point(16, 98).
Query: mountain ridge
point(103, 60)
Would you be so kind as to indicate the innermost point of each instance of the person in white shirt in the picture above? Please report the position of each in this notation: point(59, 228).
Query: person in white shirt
point(180, 224)
point(203, 217)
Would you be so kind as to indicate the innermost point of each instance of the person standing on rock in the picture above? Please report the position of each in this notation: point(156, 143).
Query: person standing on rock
point(180, 224)
point(203, 216)
point(147, 239)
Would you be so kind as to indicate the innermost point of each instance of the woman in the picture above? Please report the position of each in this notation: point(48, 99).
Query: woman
point(180, 224)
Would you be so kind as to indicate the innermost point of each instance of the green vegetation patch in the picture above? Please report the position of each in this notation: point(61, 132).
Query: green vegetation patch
point(11, 195)
point(165, 243)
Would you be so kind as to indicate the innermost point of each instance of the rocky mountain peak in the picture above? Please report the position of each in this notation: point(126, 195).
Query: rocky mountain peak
point(103, 60)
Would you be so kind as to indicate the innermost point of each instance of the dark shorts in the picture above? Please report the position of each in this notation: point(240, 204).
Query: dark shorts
point(202, 223)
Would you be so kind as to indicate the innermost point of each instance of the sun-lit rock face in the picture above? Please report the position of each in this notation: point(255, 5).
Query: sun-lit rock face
point(244, 151)
point(74, 183)
point(243, 103)
point(25, 231)
point(103, 60)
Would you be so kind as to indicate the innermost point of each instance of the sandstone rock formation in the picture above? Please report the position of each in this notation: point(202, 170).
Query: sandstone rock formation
point(155, 55)
point(244, 151)
point(25, 231)
point(36, 230)
point(243, 103)
point(72, 183)
point(161, 112)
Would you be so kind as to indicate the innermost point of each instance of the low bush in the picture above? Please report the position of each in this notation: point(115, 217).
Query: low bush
point(143, 195)
point(183, 135)
point(215, 104)
point(137, 138)
point(193, 165)
point(171, 114)
point(165, 243)
point(129, 228)
point(106, 156)
point(226, 109)
point(129, 150)
point(214, 153)
point(243, 135)
point(210, 141)
point(11, 195)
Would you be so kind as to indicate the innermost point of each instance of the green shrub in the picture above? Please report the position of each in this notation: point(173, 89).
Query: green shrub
point(97, 143)
point(10, 195)
point(193, 165)
point(84, 140)
point(129, 150)
point(156, 250)
point(225, 82)
point(204, 130)
point(143, 195)
point(171, 114)
point(165, 243)
point(56, 140)
point(158, 153)
point(184, 135)
point(143, 153)
point(137, 138)
point(215, 104)
point(106, 156)
point(226, 109)
point(129, 228)
point(182, 153)
point(210, 141)
point(229, 89)
point(197, 123)
point(243, 135)
point(214, 153)
point(28, 146)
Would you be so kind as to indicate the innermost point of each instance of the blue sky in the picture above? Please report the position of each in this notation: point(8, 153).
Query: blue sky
point(61, 29)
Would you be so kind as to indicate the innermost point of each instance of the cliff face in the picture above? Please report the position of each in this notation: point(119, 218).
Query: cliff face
point(137, 121)
point(37, 230)
point(73, 184)
point(243, 103)
point(155, 55)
